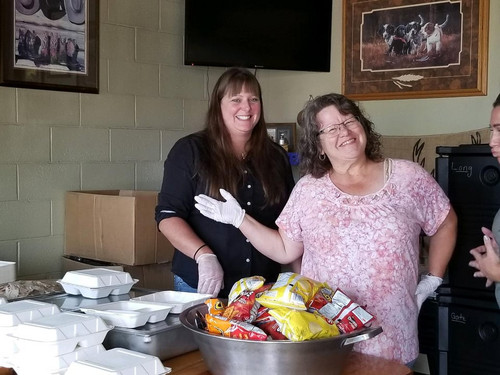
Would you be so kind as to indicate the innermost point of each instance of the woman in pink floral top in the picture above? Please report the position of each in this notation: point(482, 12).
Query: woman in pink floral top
point(355, 219)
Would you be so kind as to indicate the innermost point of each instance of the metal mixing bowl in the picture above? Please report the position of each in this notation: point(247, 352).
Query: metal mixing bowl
point(228, 356)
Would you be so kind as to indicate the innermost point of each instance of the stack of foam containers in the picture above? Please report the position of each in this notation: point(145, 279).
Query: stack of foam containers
point(7, 271)
point(119, 361)
point(97, 282)
point(14, 313)
point(48, 345)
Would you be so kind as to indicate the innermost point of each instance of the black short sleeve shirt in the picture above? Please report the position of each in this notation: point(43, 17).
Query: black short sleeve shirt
point(236, 255)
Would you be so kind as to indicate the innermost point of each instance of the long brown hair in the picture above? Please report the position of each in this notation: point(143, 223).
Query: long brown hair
point(496, 103)
point(309, 149)
point(218, 164)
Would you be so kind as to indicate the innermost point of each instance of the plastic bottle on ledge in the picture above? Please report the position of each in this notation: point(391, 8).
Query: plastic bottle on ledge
point(283, 142)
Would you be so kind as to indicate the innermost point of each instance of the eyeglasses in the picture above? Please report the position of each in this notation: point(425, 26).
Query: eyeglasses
point(334, 130)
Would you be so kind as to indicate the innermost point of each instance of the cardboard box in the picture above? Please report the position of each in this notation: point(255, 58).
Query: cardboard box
point(70, 263)
point(7, 271)
point(115, 226)
point(150, 276)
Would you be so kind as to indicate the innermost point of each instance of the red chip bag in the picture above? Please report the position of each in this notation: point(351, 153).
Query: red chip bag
point(268, 324)
point(322, 297)
point(353, 317)
point(243, 308)
point(328, 303)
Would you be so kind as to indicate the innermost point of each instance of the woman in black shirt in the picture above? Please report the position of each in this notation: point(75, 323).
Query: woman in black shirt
point(233, 152)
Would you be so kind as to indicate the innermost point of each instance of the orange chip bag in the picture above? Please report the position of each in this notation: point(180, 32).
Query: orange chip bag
point(232, 328)
point(215, 306)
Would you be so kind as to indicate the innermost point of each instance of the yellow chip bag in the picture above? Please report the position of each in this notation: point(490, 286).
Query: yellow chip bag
point(246, 283)
point(298, 325)
point(290, 290)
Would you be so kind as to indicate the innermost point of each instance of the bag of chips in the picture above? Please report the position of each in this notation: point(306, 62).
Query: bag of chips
point(293, 308)
point(290, 290)
point(268, 324)
point(353, 317)
point(243, 308)
point(232, 328)
point(246, 283)
point(337, 308)
point(299, 325)
point(328, 303)
point(215, 306)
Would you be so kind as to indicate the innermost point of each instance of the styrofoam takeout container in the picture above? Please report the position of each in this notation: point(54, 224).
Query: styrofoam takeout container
point(118, 361)
point(95, 293)
point(71, 302)
point(97, 282)
point(178, 300)
point(7, 271)
point(60, 334)
point(97, 277)
point(14, 313)
point(130, 314)
point(32, 363)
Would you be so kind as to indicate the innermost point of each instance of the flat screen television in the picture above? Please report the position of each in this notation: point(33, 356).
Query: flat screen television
point(263, 34)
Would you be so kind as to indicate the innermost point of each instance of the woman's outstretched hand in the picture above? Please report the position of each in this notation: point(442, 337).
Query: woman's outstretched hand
point(486, 258)
point(228, 212)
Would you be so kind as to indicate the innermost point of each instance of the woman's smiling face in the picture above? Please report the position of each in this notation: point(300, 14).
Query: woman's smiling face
point(240, 111)
point(348, 142)
point(495, 132)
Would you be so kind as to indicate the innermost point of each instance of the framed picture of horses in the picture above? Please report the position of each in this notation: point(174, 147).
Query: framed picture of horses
point(51, 45)
point(422, 49)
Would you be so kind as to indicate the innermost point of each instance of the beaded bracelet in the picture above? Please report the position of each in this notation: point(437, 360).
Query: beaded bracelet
point(196, 252)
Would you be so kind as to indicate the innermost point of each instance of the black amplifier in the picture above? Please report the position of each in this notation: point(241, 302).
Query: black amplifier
point(470, 176)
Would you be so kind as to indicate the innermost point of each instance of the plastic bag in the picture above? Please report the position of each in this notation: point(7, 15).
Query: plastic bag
point(290, 290)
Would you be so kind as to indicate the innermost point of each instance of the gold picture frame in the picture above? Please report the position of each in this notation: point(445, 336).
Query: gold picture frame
point(448, 61)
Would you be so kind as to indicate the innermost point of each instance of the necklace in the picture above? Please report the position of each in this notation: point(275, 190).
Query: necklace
point(243, 155)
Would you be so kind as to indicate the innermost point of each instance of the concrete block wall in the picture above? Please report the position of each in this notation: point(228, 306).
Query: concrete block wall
point(54, 141)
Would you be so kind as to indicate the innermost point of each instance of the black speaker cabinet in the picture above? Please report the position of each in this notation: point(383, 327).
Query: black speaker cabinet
point(470, 176)
point(469, 336)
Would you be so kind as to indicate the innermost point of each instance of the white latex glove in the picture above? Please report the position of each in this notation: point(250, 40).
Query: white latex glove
point(427, 285)
point(210, 275)
point(228, 212)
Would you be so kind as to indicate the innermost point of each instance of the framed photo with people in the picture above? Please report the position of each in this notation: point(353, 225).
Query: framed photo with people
point(414, 49)
point(50, 45)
